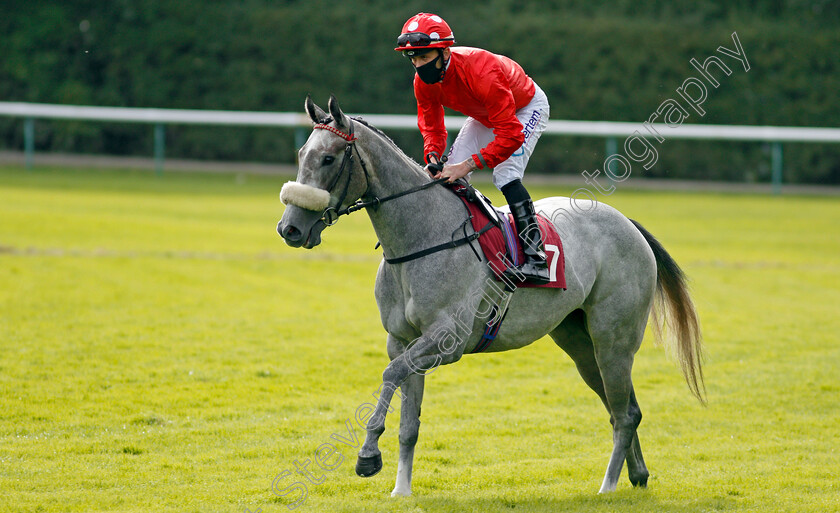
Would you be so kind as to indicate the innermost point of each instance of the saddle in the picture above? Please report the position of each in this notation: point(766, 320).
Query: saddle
point(501, 245)
point(465, 190)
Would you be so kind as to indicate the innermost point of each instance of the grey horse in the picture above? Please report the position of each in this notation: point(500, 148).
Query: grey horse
point(435, 303)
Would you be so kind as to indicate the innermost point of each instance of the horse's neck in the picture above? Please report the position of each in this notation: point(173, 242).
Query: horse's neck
point(416, 221)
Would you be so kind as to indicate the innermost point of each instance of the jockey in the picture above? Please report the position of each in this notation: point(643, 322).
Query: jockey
point(507, 112)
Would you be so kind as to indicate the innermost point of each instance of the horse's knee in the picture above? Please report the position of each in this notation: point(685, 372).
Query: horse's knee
point(409, 431)
point(409, 439)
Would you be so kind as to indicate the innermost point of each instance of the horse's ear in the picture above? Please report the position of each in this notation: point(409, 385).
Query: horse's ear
point(335, 110)
point(316, 113)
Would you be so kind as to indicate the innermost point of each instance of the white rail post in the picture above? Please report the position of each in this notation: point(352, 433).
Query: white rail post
point(160, 147)
point(612, 149)
point(28, 141)
point(776, 160)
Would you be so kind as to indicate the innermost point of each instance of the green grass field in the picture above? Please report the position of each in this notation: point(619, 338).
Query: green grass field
point(162, 349)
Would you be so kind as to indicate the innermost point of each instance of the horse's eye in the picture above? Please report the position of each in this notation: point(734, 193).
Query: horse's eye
point(327, 160)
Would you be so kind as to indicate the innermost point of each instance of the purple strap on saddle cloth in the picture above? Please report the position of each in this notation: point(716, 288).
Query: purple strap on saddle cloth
point(490, 331)
point(510, 240)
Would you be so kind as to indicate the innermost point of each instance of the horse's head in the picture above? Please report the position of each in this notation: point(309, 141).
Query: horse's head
point(330, 177)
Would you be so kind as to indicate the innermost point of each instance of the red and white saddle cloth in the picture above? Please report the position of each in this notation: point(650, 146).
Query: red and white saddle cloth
point(501, 245)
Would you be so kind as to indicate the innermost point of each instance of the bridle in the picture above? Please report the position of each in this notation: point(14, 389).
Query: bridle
point(332, 213)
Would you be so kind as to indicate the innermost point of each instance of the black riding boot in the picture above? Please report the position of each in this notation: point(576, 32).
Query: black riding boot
point(535, 268)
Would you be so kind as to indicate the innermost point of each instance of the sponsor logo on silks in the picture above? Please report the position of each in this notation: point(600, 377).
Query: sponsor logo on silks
point(527, 130)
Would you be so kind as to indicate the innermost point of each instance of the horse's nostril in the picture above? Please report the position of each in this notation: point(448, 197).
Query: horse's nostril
point(291, 233)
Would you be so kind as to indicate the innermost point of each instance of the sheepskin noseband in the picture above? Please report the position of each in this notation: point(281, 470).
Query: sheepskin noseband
point(304, 196)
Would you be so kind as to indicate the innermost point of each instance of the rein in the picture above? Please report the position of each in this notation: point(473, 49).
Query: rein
point(332, 214)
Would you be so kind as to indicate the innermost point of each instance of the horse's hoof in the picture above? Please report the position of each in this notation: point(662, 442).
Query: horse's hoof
point(370, 466)
point(640, 483)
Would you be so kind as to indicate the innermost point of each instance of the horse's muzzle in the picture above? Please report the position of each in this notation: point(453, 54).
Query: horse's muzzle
point(290, 234)
point(297, 236)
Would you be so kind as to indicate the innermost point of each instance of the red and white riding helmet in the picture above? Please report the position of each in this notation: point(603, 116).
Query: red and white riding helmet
point(424, 31)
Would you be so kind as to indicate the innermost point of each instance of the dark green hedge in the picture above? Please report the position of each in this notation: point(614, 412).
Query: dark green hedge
point(596, 60)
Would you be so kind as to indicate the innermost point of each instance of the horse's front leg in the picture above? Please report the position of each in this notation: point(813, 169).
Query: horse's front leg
point(412, 398)
point(421, 358)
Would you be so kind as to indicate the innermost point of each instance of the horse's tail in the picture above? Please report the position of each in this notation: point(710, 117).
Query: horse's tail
point(674, 309)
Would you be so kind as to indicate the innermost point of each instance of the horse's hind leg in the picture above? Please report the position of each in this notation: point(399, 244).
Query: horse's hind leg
point(617, 329)
point(636, 467)
point(573, 337)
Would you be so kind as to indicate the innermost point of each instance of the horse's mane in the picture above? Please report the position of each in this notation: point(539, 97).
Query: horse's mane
point(384, 136)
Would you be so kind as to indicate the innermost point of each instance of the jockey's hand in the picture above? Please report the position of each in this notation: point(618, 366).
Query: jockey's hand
point(434, 169)
point(435, 166)
point(456, 171)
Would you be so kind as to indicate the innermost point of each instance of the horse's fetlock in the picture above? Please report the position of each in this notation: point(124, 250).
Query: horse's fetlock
point(377, 430)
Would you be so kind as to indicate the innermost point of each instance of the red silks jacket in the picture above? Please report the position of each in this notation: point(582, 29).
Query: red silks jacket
point(484, 86)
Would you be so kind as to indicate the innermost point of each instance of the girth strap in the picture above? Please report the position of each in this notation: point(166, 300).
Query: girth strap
point(491, 330)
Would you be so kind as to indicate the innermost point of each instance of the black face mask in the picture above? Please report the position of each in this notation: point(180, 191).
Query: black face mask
point(429, 72)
